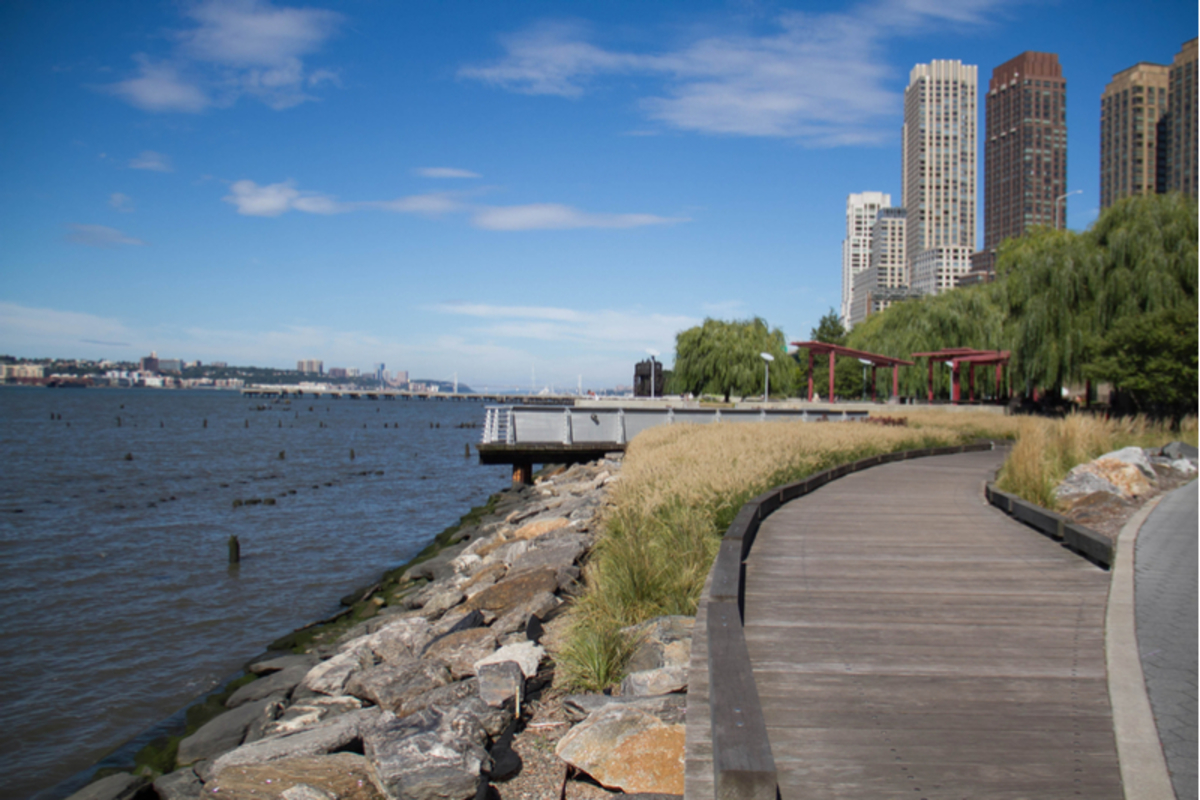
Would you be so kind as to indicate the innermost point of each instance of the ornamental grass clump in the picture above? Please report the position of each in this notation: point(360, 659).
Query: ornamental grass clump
point(680, 488)
point(1047, 449)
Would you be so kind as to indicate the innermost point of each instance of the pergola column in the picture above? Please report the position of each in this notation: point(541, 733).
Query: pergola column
point(955, 388)
point(873, 383)
point(930, 383)
point(832, 358)
point(971, 383)
point(895, 380)
point(810, 375)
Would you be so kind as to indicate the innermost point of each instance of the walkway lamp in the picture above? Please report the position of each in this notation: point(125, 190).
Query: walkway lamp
point(653, 355)
point(865, 364)
point(767, 359)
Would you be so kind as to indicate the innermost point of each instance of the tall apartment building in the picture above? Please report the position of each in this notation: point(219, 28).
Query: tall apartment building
point(1025, 149)
point(861, 210)
point(939, 143)
point(311, 366)
point(1133, 133)
point(938, 269)
point(885, 280)
point(1181, 99)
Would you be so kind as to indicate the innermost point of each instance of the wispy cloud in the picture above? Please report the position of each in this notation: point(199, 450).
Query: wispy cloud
point(121, 202)
point(100, 236)
point(820, 78)
point(445, 172)
point(155, 162)
point(236, 48)
point(275, 199)
point(603, 329)
point(553, 216)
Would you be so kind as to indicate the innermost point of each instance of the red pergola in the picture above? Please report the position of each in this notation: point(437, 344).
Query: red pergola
point(835, 350)
point(972, 358)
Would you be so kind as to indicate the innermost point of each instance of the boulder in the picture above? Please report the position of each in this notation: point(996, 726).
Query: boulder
point(182, 784)
point(121, 786)
point(310, 712)
point(465, 696)
point(541, 605)
point(344, 776)
point(527, 655)
point(398, 641)
point(280, 663)
point(330, 677)
point(506, 552)
point(1180, 450)
point(627, 748)
point(563, 551)
point(661, 642)
point(1128, 478)
point(512, 592)
point(651, 682)
point(1134, 456)
point(225, 732)
point(484, 578)
point(390, 685)
point(441, 601)
point(276, 683)
point(1081, 483)
point(434, 754)
point(500, 682)
point(1184, 465)
point(670, 708)
point(457, 619)
point(461, 649)
point(335, 735)
point(435, 568)
point(541, 527)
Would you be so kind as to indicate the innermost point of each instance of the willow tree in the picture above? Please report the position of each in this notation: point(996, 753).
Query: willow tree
point(720, 357)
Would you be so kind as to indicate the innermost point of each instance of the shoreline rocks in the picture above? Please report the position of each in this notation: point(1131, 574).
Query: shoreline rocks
point(422, 682)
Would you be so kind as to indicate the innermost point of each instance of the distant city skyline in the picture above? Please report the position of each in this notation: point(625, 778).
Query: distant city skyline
point(480, 190)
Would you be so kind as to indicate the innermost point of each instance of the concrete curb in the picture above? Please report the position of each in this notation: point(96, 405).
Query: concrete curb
point(1139, 751)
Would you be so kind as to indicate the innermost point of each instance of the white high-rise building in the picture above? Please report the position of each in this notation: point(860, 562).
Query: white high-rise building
point(940, 143)
point(861, 210)
point(886, 281)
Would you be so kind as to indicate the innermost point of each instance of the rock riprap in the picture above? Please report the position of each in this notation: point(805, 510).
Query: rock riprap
point(409, 701)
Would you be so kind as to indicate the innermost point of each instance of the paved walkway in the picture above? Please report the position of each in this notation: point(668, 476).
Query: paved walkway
point(910, 641)
point(1165, 601)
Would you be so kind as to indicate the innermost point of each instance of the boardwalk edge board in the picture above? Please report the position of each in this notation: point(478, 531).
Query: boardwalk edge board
point(1092, 545)
point(743, 765)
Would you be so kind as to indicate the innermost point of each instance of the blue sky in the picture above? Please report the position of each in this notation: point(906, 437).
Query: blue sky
point(487, 189)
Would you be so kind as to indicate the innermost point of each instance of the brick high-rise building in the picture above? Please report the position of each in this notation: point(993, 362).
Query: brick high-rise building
point(939, 144)
point(1133, 133)
point(1181, 155)
point(861, 210)
point(1025, 150)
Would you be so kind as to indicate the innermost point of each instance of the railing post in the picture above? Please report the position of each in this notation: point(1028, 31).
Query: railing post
point(620, 426)
point(566, 426)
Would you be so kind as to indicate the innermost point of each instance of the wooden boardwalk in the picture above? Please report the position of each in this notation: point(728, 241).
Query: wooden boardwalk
point(909, 640)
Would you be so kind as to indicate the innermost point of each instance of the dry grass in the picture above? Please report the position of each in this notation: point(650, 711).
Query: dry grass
point(681, 486)
point(1046, 450)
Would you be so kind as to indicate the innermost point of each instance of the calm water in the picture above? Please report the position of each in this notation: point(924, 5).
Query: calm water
point(119, 604)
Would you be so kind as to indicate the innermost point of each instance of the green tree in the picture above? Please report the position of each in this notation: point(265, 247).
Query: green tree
point(1152, 357)
point(720, 357)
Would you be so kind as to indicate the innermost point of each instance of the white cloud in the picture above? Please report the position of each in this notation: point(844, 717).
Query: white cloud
point(121, 202)
point(41, 332)
point(820, 78)
point(603, 329)
point(237, 48)
point(156, 162)
point(100, 236)
point(446, 172)
point(553, 216)
point(278, 198)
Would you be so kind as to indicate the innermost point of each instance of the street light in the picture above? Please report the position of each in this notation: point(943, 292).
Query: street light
point(767, 359)
point(1062, 197)
point(653, 355)
point(865, 363)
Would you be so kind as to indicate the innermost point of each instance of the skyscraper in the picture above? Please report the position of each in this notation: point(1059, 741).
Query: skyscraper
point(861, 210)
point(1025, 150)
point(939, 144)
point(886, 280)
point(1133, 134)
point(1181, 157)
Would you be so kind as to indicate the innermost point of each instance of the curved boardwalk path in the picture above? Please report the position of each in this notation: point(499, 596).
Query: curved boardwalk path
point(909, 640)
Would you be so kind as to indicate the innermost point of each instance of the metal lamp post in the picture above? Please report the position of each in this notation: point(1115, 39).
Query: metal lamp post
point(865, 363)
point(653, 355)
point(767, 359)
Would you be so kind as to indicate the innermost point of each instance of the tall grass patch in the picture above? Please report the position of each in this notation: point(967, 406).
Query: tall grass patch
point(680, 488)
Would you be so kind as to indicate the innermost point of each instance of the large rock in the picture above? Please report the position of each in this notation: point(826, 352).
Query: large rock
point(310, 712)
point(563, 551)
point(225, 732)
point(390, 685)
point(541, 527)
point(527, 656)
point(330, 677)
point(341, 733)
point(651, 682)
point(485, 577)
point(512, 592)
point(1125, 476)
point(276, 683)
point(437, 567)
point(627, 748)
point(460, 650)
point(401, 640)
point(280, 663)
point(434, 754)
point(670, 708)
point(501, 682)
point(1180, 450)
point(121, 786)
point(344, 776)
point(182, 784)
point(464, 695)
point(541, 605)
point(1134, 456)
point(660, 642)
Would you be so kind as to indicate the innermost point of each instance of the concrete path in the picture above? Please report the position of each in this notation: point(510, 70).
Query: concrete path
point(1165, 601)
point(908, 640)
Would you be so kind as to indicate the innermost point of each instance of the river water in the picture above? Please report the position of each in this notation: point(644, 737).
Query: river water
point(115, 510)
